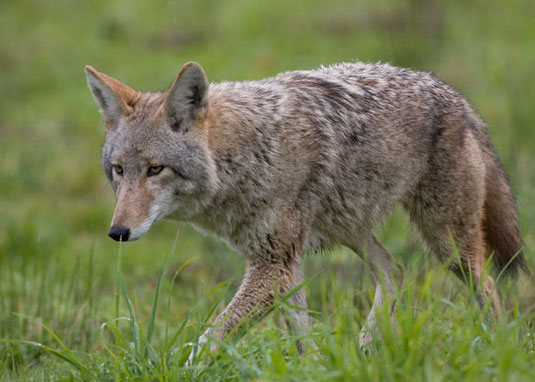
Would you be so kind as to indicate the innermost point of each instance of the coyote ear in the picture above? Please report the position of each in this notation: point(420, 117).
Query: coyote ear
point(189, 93)
point(113, 97)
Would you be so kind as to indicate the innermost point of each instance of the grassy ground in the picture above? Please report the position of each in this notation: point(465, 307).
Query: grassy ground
point(67, 312)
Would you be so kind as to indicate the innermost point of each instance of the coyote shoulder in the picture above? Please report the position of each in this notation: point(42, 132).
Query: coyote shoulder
point(304, 161)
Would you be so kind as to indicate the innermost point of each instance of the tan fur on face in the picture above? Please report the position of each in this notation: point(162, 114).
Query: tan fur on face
point(134, 201)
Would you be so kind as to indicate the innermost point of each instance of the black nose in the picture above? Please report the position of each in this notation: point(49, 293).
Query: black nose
point(119, 233)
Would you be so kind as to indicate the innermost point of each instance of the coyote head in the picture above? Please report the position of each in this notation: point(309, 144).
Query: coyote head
point(155, 154)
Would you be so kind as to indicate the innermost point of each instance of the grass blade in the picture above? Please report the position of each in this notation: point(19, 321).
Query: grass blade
point(158, 289)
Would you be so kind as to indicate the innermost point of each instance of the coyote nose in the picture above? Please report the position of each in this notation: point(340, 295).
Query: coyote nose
point(119, 233)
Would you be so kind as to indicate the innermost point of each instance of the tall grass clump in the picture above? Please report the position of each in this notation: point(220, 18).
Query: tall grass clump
point(437, 333)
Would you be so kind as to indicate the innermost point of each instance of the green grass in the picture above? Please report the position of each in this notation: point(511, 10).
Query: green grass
point(68, 313)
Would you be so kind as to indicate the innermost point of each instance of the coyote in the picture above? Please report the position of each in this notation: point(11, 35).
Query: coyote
point(304, 161)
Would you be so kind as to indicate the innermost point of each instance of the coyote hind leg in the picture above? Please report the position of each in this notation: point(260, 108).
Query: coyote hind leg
point(386, 273)
point(448, 203)
point(470, 262)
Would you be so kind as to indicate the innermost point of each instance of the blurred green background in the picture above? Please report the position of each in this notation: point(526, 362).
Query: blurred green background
point(57, 263)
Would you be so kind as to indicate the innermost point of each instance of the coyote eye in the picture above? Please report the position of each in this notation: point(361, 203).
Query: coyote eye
point(118, 169)
point(154, 170)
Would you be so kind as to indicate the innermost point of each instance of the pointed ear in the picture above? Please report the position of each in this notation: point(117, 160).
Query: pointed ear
point(113, 97)
point(189, 93)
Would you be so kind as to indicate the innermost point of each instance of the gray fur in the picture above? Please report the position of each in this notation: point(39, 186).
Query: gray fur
point(311, 159)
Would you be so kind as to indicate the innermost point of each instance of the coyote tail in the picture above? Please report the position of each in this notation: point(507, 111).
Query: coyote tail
point(500, 222)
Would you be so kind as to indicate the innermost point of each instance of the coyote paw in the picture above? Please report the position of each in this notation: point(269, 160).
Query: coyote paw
point(365, 340)
point(196, 350)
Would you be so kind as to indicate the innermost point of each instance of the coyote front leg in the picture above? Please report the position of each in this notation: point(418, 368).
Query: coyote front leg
point(255, 294)
point(386, 273)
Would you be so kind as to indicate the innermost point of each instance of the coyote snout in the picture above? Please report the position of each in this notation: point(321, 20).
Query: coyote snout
point(137, 206)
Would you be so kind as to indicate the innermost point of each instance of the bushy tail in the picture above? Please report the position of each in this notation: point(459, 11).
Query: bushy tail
point(500, 222)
